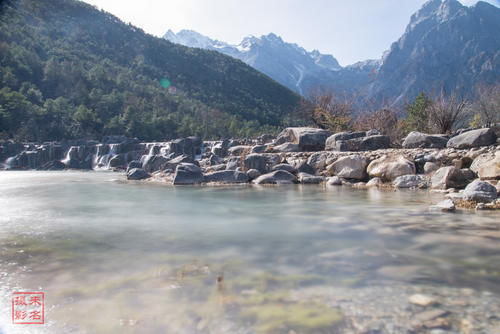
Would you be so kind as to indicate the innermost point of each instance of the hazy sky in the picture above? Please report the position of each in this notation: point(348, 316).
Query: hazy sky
point(351, 30)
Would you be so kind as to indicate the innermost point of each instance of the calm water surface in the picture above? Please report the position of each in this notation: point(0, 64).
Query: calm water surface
point(117, 257)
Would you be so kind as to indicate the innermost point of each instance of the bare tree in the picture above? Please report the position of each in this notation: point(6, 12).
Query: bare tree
point(445, 111)
point(328, 110)
point(487, 105)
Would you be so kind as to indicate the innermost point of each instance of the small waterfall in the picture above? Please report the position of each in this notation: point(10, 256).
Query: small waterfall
point(102, 162)
point(67, 158)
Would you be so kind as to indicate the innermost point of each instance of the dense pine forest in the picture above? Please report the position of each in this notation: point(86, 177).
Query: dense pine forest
point(68, 70)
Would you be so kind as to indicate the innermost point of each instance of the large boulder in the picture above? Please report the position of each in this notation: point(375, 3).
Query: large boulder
point(474, 138)
point(153, 163)
point(187, 173)
point(137, 174)
point(331, 141)
point(371, 143)
point(308, 139)
point(260, 162)
point(226, 176)
point(388, 168)
point(318, 160)
point(350, 167)
point(451, 177)
point(304, 167)
point(487, 166)
point(480, 191)
point(422, 140)
point(276, 177)
point(410, 181)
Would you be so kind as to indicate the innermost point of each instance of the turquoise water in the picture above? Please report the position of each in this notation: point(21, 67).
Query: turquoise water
point(113, 256)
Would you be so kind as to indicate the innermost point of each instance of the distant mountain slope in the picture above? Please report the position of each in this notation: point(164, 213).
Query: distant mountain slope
point(70, 70)
point(445, 45)
point(287, 63)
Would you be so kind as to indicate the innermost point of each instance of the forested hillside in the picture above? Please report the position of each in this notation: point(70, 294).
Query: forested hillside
point(68, 70)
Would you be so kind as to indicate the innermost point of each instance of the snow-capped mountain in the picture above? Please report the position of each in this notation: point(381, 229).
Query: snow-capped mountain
point(445, 45)
point(287, 63)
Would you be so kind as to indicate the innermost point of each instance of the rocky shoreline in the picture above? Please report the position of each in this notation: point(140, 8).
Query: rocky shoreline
point(465, 165)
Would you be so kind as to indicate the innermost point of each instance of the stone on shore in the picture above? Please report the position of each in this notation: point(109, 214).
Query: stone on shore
point(334, 181)
point(308, 139)
point(487, 166)
point(444, 206)
point(388, 168)
point(350, 167)
point(276, 177)
point(187, 173)
point(226, 176)
point(375, 182)
point(473, 138)
point(411, 181)
point(422, 140)
point(451, 177)
point(480, 191)
point(342, 136)
point(304, 167)
point(238, 150)
point(421, 300)
point(253, 174)
point(137, 174)
point(310, 179)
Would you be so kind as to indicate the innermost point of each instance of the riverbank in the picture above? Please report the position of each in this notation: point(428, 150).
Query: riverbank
point(465, 166)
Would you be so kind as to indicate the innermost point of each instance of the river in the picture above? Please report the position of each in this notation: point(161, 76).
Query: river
point(113, 256)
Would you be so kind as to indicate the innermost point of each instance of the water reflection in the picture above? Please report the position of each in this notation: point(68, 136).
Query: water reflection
point(142, 258)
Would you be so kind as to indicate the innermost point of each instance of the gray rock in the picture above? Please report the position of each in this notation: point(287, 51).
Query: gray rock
point(318, 160)
point(286, 167)
point(137, 174)
point(233, 163)
point(430, 167)
point(310, 179)
point(445, 206)
point(334, 181)
point(410, 181)
point(331, 141)
point(480, 191)
point(153, 163)
point(474, 138)
point(487, 166)
point(451, 177)
point(304, 167)
point(350, 167)
point(308, 139)
point(187, 173)
point(388, 168)
point(375, 182)
point(238, 150)
point(257, 161)
point(134, 164)
point(265, 138)
point(226, 176)
point(421, 140)
point(117, 161)
point(276, 177)
point(258, 149)
point(372, 132)
point(286, 147)
point(253, 174)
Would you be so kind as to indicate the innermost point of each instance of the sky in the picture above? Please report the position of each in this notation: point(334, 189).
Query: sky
point(350, 30)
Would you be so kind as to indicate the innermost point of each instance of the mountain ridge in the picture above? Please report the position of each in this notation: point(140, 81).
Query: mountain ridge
point(445, 45)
